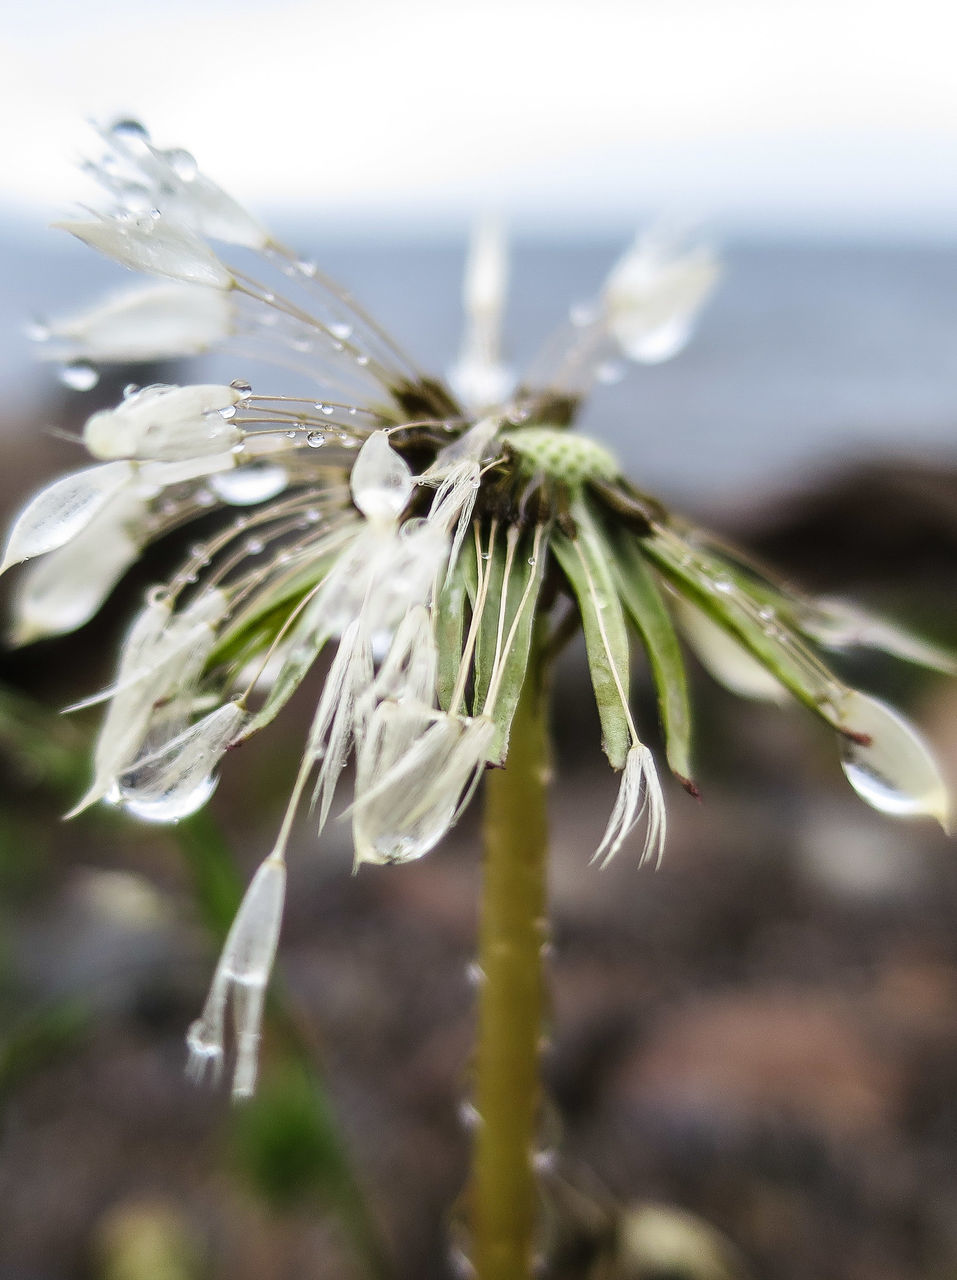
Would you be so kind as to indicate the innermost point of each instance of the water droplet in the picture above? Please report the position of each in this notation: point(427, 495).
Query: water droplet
point(245, 486)
point(609, 372)
point(475, 974)
point(724, 585)
point(79, 375)
point(130, 390)
point(204, 498)
point(254, 545)
point(312, 516)
point(183, 163)
point(169, 808)
point(315, 439)
point(38, 331)
point(486, 555)
point(227, 411)
point(469, 1117)
point(362, 359)
point(341, 331)
point(327, 410)
point(532, 561)
point(306, 268)
point(243, 388)
point(766, 613)
point(895, 771)
point(129, 130)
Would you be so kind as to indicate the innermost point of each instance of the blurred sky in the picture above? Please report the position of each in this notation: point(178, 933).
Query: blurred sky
point(566, 115)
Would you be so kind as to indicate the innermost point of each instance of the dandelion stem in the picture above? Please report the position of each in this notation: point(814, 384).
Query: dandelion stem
point(511, 940)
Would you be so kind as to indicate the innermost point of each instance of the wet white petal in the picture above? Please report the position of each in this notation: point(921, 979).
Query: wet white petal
point(163, 655)
point(338, 716)
point(176, 780)
point(409, 669)
point(653, 295)
point(639, 793)
point(726, 660)
point(243, 971)
point(153, 322)
point(381, 480)
point(895, 772)
point(153, 245)
point(167, 423)
point(411, 785)
point(61, 510)
point(172, 182)
point(65, 589)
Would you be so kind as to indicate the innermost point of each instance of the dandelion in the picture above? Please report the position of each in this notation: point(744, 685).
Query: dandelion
point(440, 540)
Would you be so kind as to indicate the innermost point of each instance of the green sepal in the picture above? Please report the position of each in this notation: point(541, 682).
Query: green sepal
point(525, 577)
point(483, 660)
point(588, 556)
point(643, 601)
point(449, 615)
point(303, 646)
point(739, 604)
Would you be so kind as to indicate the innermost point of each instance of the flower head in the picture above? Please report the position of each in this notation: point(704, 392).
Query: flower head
point(421, 533)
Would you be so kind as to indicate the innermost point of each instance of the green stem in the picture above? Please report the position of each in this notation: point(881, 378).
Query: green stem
point(511, 938)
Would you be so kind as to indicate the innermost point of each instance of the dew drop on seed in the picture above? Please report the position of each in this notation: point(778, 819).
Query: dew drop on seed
point(130, 390)
point(362, 359)
point(129, 130)
point(244, 388)
point(38, 331)
point(326, 409)
point(306, 268)
point(169, 808)
point(227, 411)
point(245, 486)
point(315, 439)
point(79, 375)
point(723, 585)
point(183, 163)
point(254, 545)
point(341, 331)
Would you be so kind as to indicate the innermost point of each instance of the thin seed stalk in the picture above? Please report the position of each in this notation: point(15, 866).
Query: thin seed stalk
point(511, 939)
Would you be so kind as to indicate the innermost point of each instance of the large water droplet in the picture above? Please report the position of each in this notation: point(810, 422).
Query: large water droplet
point(341, 331)
point(182, 163)
point(169, 808)
point(245, 486)
point(315, 439)
point(129, 130)
point(79, 375)
point(895, 771)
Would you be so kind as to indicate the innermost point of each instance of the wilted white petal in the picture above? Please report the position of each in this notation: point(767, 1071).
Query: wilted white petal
point(166, 423)
point(243, 970)
point(381, 480)
point(409, 669)
point(152, 477)
point(478, 377)
point(726, 660)
point(61, 510)
point(639, 793)
point(334, 727)
point(454, 503)
point(653, 295)
point(176, 780)
point(895, 771)
point(163, 654)
point(65, 589)
point(152, 322)
point(409, 785)
point(153, 245)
